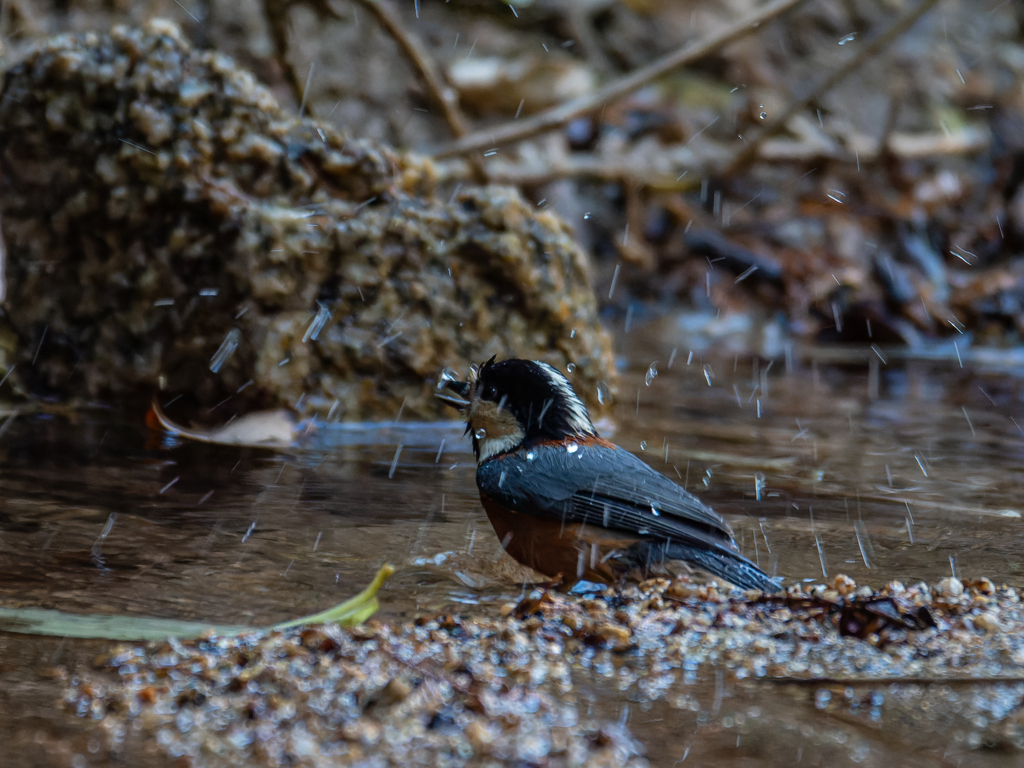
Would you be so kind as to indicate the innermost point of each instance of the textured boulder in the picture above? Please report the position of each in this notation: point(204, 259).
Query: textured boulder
point(169, 225)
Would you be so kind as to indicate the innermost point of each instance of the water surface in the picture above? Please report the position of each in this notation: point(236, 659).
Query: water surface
point(907, 470)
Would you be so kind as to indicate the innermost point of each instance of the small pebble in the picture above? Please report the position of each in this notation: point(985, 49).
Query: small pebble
point(949, 587)
point(844, 585)
point(988, 622)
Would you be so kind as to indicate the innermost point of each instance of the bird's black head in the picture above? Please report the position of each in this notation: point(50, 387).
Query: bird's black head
point(519, 402)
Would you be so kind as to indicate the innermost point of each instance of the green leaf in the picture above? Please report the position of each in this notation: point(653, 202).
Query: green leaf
point(41, 621)
point(350, 613)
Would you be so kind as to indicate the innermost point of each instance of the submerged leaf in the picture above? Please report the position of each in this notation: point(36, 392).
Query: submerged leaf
point(40, 621)
point(262, 429)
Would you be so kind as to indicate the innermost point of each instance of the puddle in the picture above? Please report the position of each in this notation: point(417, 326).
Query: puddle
point(910, 470)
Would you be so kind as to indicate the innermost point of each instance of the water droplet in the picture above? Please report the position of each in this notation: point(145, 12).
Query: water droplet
point(573, 334)
point(530, 456)
point(323, 314)
point(226, 349)
point(655, 512)
point(709, 374)
point(571, 448)
point(643, 445)
point(570, 367)
point(586, 215)
point(447, 374)
point(758, 484)
point(764, 115)
point(652, 373)
point(602, 392)
point(848, 39)
point(480, 434)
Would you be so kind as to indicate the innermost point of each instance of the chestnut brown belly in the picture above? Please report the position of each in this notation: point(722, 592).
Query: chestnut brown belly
point(572, 550)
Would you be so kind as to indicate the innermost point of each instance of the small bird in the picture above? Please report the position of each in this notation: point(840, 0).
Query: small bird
point(568, 503)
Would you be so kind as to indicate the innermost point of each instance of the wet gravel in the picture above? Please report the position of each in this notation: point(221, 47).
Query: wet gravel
point(505, 689)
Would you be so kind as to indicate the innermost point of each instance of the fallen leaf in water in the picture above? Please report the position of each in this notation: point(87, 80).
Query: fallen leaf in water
point(39, 621)
point(353, 611)
point(862, 618)
point(262, 429)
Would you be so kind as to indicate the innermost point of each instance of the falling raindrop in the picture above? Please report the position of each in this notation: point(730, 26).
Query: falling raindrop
point(652, 373)
point(763, 115)
point(570, 367)
point(586, 215)
point(480, 434)
point(571, 448)
point(758, 484)
point(394, 462)
point(226, 350)
point(848, 39)
point(709, 374)
point(530, 456)
point(602, 392)
point(323, 314)
point(643, 445)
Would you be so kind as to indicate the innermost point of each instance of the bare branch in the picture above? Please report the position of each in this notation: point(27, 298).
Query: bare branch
point(867, 53)
point(440, 93)
point(276, 12)
point(558, 116)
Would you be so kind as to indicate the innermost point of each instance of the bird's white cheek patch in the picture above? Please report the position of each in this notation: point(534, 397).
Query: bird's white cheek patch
point(496, 430)
point(493, 446)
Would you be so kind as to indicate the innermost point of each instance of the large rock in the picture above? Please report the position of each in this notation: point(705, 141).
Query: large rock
point(168, 225)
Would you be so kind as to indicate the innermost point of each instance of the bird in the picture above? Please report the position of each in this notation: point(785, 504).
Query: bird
point(570, 504)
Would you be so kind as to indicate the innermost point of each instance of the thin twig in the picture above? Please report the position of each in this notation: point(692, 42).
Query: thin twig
point(894, 679)
point(3, 269)
point(867, 53)
point(629, 167)
point(560, 115)
point(440, 94)
point(276, 12)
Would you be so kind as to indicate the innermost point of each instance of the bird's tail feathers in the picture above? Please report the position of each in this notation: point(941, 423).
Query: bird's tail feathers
point(730, 566)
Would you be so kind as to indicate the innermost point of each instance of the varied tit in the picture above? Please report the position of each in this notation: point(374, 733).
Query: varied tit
point(566, 502)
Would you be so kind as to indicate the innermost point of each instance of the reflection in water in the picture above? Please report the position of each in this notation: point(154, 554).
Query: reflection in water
point(904, 471)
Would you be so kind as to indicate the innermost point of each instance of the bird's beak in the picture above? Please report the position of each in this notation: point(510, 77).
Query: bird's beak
point(459, 398)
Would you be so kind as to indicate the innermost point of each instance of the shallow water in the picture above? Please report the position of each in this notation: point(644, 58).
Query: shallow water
point(907, 470)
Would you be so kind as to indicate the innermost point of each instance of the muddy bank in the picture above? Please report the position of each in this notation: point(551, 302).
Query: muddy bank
point(169, 226)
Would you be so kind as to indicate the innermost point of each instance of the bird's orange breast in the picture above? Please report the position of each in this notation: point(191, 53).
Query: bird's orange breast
point(552, 547)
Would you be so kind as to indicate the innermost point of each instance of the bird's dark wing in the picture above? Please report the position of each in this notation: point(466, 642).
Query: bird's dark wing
point(605, 487)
